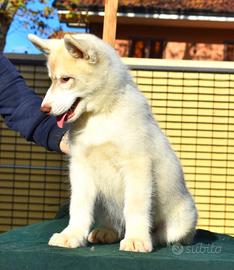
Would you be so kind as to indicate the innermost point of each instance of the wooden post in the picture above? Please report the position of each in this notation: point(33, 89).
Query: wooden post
point(110, 21)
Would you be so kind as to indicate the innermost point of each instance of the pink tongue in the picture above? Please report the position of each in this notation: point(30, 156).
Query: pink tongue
point(61, 119)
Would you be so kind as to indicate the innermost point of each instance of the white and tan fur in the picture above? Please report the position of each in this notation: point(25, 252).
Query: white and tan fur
point(124, 175)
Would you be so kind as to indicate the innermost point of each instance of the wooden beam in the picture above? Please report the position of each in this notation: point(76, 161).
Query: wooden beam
point(110, 21)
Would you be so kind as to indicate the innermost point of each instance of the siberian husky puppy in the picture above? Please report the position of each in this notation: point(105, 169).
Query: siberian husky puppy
point(124, 175)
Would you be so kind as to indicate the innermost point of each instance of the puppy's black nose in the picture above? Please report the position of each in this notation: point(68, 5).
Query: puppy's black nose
point(45, 108)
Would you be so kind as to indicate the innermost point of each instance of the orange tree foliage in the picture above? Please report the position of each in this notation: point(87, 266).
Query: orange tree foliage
point(31, 16)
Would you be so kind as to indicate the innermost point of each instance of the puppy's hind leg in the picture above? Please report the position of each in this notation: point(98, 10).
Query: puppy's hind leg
point(178, 226)
point(103, 235)
point(108, 230)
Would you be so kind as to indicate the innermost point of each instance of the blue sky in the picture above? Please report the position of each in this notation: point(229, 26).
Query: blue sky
point(17, 41)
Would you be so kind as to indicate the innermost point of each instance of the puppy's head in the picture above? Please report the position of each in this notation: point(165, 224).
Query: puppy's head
point(77, 68)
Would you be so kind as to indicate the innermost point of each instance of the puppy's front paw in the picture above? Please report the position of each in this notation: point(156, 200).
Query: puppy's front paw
point(67, 240)
point(136, 245)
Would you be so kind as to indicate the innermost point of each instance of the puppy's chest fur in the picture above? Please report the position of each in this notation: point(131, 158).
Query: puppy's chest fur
point(93, 142)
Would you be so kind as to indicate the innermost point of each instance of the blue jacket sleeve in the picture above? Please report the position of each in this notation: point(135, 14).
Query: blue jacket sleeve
point(20, 109)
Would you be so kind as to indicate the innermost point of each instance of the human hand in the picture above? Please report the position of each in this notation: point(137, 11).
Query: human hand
point(64, 144)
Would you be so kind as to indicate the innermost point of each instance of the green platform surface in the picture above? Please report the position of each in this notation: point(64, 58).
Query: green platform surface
point(26, 248)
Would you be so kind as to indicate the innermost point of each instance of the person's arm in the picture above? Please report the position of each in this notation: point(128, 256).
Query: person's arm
point(20, 109)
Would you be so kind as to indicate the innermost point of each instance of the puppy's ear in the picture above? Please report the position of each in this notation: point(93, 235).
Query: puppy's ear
point(41, 44)
point(79, 48)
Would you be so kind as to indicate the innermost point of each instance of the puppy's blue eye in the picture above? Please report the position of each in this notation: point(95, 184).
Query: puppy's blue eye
point(65, 79)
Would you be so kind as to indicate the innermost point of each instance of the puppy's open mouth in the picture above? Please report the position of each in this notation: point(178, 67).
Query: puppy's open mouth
point(62, 118)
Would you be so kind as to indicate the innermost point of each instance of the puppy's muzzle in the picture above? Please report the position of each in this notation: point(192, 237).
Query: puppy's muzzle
point(45, 109)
